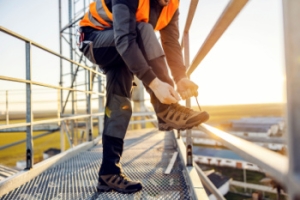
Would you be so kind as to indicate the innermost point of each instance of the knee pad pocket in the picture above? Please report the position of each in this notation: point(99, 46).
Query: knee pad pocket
point(118, 113)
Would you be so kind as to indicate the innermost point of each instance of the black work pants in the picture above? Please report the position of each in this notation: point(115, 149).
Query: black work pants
point(99, 47)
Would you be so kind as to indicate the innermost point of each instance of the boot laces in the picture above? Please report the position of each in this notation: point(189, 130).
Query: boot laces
point(124, 178)
point(182, 109)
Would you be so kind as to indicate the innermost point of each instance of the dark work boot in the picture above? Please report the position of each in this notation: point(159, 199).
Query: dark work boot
point(118, 182)
point(180, 117)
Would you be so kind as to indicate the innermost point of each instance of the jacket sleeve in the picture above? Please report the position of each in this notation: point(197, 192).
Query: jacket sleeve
point(172, 49)
point(124, 25)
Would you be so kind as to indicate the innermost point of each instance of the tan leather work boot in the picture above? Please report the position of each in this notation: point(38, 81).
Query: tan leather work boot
point(180, 117)
point(118, 182)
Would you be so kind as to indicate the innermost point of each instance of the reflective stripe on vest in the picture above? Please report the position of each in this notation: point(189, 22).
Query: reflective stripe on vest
point(100, 17)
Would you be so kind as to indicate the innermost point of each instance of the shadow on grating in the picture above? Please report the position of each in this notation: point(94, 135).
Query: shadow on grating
point(145, 158)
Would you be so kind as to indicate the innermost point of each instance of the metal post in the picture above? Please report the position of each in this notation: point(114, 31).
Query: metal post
point(100, 104)
point(291, 15)
point(138, 102)
point(189, 143)
point(29, 128)
point(89, 110)
point(7, 112)
point(60, 60)
point(62, 137)
point(71, 67)
point(245, 178)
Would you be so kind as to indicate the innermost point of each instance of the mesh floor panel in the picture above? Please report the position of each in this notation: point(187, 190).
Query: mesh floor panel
point(145, 158)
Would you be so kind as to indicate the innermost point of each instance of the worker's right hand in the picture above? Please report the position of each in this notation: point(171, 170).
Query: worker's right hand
point(164, 92)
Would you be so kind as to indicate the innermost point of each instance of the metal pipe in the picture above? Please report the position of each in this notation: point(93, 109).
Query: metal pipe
point(72, 85)
point(9, 32)
point(189, 142)
point(231, 11)
point(291, 16)
point(62, 137)
point(29, 117)
point(71, 68)
point(275, 164)
point(6, 78)
point(7, 112)
point(190, 17)
point(49, 121)
point(100, 105)
point(89, 110)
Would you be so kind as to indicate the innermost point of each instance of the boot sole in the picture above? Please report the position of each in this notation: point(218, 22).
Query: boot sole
point(170, 126)
point(104, 188)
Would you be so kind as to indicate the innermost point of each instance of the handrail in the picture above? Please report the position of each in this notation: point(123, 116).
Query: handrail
point(231, 11)
point(274, 163)
point(7, 78)
point(60, 120)
point(73, 117)
point(9, 32)
point(189, 19)
point(285, 170)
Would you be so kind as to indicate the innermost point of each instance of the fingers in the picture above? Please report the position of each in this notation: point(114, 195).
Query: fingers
point(174, 94)
point(188, 93)
point(171, 97)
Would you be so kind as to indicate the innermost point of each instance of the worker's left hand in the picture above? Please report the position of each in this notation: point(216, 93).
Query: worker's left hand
point(187, 88)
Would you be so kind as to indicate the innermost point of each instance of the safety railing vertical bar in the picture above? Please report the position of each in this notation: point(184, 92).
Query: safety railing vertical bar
point(89, 109)
point(291, 16)
point(29, 117)
point(283, 169)
point(228, 15)
point(29, 111)
point(100, 104)
point(189, 142)
point(32, 170)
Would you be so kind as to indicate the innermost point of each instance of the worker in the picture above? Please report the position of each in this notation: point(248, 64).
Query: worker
point(118, 35)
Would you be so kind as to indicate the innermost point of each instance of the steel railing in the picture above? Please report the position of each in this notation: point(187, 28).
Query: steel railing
point(29, 82)
point(284, 170)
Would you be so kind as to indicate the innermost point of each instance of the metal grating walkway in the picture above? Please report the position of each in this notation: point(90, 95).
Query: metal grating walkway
point(146, 156)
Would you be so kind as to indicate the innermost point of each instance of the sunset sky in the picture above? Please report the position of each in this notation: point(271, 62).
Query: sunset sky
point(246, 66)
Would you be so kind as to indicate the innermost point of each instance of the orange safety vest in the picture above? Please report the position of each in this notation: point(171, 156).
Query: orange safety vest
point(99, 16)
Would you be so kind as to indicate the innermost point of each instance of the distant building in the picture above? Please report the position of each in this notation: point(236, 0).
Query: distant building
point(257, 126)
